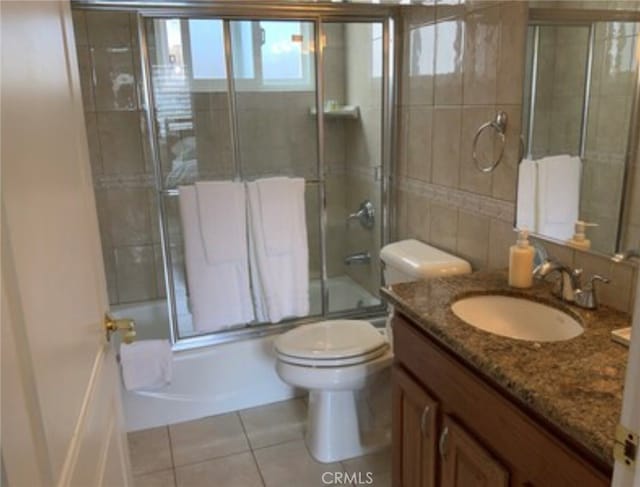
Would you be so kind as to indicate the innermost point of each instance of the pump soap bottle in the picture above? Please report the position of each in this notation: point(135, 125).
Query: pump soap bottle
point(579, 239)
point(521, 262)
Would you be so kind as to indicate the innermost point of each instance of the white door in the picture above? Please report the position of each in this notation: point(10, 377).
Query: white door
point(61, 411)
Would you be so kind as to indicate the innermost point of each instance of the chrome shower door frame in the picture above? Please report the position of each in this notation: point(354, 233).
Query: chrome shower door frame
point(318, 15)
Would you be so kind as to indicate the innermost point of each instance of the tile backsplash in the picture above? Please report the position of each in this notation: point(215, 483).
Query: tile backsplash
point(477, 69)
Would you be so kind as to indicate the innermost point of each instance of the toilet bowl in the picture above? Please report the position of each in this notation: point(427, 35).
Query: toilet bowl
point(335, 359)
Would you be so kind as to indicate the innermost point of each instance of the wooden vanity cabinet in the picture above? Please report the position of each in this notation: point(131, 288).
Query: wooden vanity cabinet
point(451, 428)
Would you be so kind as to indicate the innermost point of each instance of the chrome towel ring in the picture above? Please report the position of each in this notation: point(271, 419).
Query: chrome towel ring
point(500, 126)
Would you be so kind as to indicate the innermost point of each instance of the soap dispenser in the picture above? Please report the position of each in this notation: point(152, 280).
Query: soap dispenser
point(579, 239)
point(521, 261)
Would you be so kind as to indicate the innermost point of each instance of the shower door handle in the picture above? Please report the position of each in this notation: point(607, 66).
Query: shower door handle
point(125, 325)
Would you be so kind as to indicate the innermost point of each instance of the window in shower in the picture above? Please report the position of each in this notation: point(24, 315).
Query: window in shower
point(267, 55)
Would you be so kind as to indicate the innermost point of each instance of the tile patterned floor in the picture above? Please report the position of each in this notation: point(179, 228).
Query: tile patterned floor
point(259, 447)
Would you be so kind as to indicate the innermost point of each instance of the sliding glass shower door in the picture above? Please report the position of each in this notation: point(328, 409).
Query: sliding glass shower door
point(235, 99)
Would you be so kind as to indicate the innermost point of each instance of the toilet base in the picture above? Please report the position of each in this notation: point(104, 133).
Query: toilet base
point(333, 432)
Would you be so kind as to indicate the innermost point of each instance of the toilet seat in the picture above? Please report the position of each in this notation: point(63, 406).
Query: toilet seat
point(334, 362)
point(331, 343)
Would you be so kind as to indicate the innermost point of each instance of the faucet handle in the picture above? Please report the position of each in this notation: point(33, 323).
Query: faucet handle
point(598, 278)
point(587, 298)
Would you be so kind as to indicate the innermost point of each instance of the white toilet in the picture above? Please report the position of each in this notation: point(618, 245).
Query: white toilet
point(334, 359)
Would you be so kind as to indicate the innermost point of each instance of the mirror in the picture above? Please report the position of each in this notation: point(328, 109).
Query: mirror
point(580, 131)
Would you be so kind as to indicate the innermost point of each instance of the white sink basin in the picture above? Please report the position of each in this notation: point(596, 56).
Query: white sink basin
point(517, 318)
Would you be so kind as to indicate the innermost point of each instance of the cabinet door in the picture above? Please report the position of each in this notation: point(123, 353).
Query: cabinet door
point(414, 433)
point(464, 462)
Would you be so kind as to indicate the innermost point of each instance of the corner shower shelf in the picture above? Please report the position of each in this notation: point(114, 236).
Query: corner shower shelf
point(343, 111)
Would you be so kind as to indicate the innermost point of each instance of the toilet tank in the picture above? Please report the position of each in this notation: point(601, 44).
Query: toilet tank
point(412, 260)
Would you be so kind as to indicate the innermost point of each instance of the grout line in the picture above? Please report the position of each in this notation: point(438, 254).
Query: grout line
point(253, 455)
point(173, 463)
point(284, 442)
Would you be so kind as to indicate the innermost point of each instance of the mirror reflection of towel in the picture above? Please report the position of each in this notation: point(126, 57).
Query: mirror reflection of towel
point(527, 195)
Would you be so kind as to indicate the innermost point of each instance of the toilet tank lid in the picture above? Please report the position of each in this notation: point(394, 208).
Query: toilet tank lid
point(421, 261)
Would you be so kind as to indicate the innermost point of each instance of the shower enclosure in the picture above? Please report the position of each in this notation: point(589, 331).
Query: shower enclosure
point(235, 93)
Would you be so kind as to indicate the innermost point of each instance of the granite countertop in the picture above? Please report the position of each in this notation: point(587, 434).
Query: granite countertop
point(576, 384)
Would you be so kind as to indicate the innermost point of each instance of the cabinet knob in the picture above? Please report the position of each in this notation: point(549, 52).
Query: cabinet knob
point(423, 420)
point(442, 444)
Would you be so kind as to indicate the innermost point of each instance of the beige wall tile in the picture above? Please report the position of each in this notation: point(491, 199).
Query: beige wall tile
point(513, 28)
point(447, 126)
point(482, 35)
point(443, 227)
point(419, 136)
point(93, 140)
point(80, 27)
point(129, 216)
point(449, 57)
point(402, 206)
point(120, 143)
point(115, 85)
point(108, 29)
point(86, 77)
point(473, 239)
point(417, 224)
point(501, 237)
point(136, 277)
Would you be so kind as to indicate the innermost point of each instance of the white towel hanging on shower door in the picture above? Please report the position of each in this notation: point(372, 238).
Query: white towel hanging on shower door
point(278, 246)
point(214, 224)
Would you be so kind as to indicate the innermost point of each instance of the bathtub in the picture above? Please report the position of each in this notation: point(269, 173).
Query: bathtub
point(219, 378)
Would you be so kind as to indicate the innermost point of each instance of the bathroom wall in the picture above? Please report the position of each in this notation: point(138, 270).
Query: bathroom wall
point(470, 63)
point(107, 54)
point(462, 63)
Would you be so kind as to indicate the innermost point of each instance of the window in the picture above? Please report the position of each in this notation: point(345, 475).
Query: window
point(266, 55)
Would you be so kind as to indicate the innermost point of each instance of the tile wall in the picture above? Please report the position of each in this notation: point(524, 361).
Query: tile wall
point(477, 68)
point(107, 54)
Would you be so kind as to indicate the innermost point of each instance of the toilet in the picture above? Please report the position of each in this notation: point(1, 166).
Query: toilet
point(335, 359)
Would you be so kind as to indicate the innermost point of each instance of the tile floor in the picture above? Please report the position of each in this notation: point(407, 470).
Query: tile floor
point(261, 447)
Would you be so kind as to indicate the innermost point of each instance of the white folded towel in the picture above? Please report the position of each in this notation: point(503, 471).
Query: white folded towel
point(219, 287)
point(558, 195)
point(278, 248)
point(146, 364)
point(527, 195)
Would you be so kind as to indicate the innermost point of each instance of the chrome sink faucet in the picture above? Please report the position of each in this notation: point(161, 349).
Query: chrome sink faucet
point(569, 287)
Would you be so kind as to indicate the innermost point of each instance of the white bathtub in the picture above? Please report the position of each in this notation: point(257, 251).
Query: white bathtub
point(220, 378)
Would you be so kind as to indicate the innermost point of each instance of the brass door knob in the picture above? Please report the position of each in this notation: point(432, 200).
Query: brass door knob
point(125, 325)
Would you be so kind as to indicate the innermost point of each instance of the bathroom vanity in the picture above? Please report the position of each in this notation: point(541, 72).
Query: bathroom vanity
point(472, 408)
